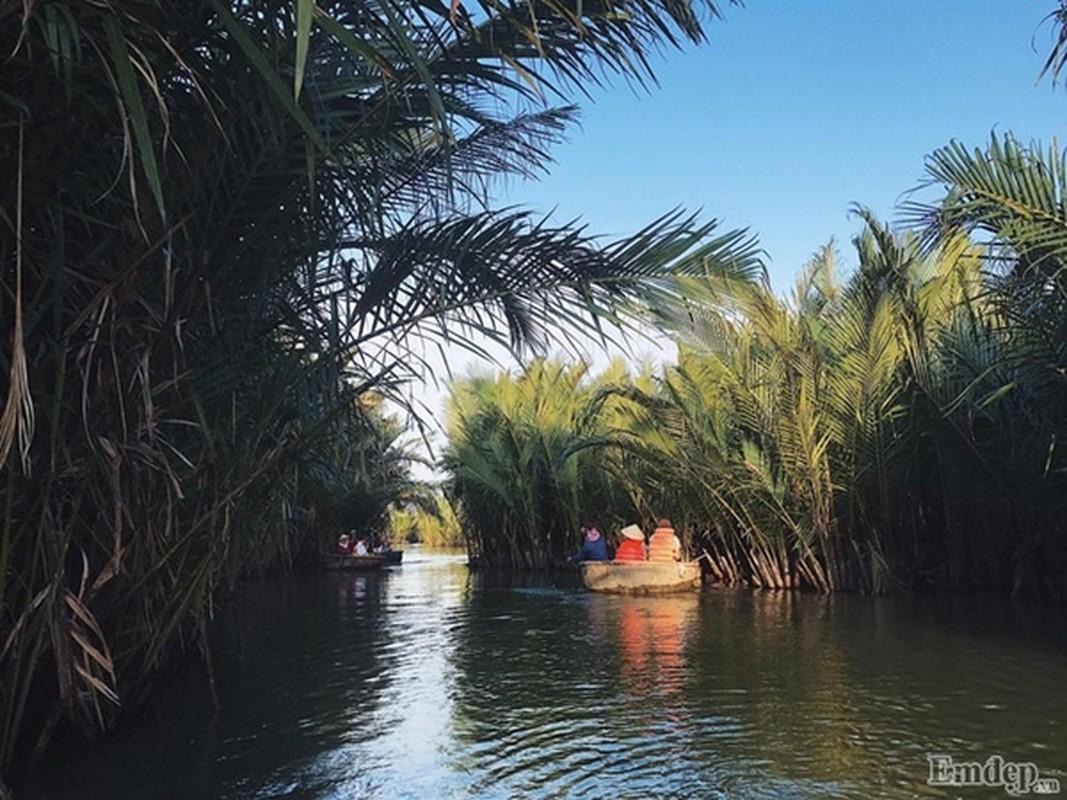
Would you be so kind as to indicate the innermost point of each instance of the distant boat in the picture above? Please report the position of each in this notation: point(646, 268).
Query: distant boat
point(388, 558)
point(352, 561)
point(641, 577)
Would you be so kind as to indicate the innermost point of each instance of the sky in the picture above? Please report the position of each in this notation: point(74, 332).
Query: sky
point(790, 113)
point(796, 109)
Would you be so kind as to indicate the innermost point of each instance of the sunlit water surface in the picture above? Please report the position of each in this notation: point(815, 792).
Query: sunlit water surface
point(432, 682)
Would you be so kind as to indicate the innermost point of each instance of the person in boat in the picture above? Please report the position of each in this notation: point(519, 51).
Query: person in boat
point(663, 544)
point(361, 547)
point(594, 547)
point(344, 544)
point(632, 546)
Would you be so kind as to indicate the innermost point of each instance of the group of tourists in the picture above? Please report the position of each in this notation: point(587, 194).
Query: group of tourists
point(350, 545)
point(662, 545)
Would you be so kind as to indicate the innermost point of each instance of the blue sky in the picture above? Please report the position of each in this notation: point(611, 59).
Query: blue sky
point(793, 110)
point(790, 113)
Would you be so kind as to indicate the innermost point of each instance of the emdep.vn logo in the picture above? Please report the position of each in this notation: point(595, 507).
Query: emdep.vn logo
point(1015, 777)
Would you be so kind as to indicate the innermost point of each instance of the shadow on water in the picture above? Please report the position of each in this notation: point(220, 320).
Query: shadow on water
point(431, 681)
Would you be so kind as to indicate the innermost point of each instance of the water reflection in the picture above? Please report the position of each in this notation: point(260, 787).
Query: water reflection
point(652, 638)
point(774, 684)
point(432, 682)
point(352, 588)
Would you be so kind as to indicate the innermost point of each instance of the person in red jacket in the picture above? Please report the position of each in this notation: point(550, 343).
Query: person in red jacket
point(663, 544)
point(632, 546)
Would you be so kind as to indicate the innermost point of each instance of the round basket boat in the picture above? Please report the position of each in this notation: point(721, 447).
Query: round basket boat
point(641, 577)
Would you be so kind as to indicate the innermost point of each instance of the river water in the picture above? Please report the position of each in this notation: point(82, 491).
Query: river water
point(433, 682)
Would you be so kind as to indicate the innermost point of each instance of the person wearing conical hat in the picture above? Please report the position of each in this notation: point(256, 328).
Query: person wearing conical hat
point(663, 544)
point(632, 546)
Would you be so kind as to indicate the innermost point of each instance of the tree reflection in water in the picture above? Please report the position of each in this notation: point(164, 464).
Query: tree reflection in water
point(435, 682)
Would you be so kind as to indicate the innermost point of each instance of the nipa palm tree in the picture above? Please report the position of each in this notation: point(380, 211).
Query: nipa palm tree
point(225, 221)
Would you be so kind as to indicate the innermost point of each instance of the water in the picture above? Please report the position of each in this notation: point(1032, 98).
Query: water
point(431, 682)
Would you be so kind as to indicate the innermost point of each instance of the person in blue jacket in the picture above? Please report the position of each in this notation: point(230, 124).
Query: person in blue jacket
point(594, 547)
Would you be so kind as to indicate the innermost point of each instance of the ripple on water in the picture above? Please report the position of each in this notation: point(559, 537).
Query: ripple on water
point(434, 683)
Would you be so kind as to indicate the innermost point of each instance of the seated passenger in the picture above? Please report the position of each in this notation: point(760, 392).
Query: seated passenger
point(632, 546)
point(593, 548)
point(663, 544)
point(344, 544)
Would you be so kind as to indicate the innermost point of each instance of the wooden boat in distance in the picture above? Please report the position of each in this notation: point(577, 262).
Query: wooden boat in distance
point(641, 577)
point(388, 558)
point(352, 561)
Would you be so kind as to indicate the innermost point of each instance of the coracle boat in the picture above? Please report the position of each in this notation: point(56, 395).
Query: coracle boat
point(641, 577)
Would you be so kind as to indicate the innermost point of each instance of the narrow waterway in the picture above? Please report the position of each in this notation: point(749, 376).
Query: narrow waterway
point(433, 682)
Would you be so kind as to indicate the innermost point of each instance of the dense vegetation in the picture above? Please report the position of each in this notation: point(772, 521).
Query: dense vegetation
point(520, 483)
point(228, 229)
point(900, 428)
point(224, 228)
point(432, 524)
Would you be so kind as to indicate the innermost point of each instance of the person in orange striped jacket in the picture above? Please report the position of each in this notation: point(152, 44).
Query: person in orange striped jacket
point(663, 544)
point(632, 546)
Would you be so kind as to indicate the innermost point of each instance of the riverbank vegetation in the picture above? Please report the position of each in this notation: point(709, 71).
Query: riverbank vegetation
point(432, 525)
point(522, 484)
point(901, 427)
point(230, 231)
point(224, 229)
